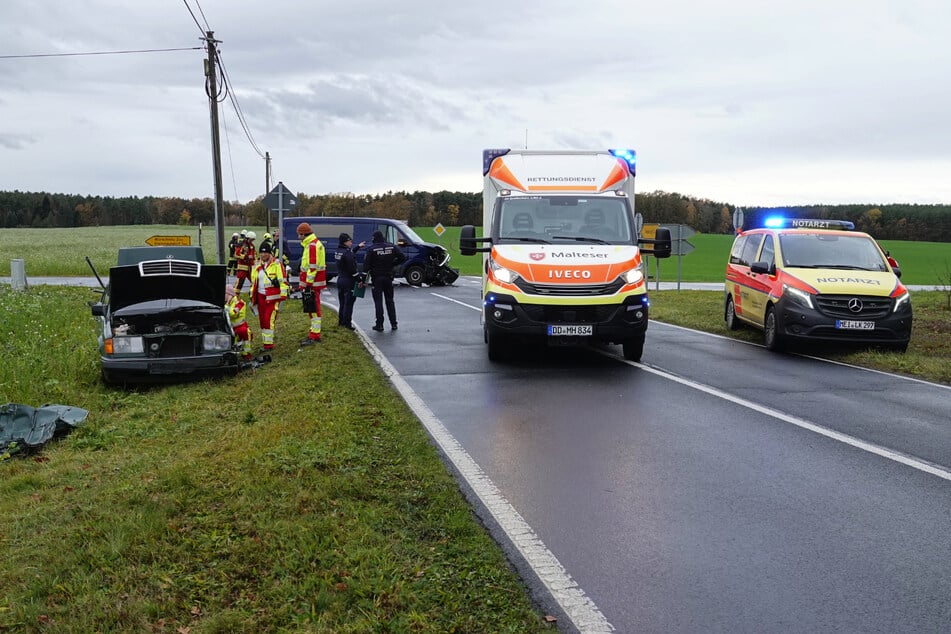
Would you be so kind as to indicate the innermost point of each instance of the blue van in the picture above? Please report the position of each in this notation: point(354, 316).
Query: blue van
point(426, 263)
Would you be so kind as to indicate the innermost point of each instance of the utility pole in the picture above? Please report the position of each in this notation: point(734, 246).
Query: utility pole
point(211, 89)
point(267, 185)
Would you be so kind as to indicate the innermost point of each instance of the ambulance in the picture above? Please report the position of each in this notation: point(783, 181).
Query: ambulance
point(804, 280)
point(561, 257)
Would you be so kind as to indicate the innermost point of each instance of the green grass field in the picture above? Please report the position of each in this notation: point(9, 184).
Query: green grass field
point(61, 252)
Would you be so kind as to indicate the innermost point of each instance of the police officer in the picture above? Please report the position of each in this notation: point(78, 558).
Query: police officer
point(382, 256)
point(346, 276)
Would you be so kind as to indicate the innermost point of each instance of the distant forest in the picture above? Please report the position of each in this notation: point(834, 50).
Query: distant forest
point(40, 209)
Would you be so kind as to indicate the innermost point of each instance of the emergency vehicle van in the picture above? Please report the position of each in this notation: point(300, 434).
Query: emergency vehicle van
point(561, 261)
point(815, 280)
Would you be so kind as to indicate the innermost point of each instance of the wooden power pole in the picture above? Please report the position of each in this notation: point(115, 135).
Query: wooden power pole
point(211, 89)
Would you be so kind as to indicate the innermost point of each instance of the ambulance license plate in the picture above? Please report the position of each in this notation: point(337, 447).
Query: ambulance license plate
point(568, 330)
point(845, 324)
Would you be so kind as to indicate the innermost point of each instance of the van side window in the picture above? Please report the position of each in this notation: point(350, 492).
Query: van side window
point(736, 254)
point(751, 248)
point(769, 252)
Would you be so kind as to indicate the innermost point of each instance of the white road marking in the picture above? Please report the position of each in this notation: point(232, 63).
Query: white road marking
point(581, 610)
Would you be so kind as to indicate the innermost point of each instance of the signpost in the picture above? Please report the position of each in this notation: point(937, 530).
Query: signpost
point(169, 241)
point(280, 199)
point(679, 245)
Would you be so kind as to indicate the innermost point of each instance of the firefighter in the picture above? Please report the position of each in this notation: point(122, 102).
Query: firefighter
point(237, 314)
point(246, 258)
point(268, 290)
point(313, 278)
point(232, 260)
point(266, 239)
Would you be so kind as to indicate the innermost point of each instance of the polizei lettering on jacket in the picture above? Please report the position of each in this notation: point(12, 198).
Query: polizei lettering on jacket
point(569, 274)
point(848, 280)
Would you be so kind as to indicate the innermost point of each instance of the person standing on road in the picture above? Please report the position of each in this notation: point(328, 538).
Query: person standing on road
point(313, 278)
point(382, 257)
point(346, 276)
point(245, 256)
point(268, 290)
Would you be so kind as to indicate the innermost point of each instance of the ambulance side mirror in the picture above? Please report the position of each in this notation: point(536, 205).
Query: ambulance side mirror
point(468, 242)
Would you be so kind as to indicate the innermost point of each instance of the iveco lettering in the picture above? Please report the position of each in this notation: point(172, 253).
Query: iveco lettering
point(816, 280)
point(562, 262)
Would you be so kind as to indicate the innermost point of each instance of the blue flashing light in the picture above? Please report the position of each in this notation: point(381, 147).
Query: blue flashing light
point(629, 157)
point(781, 222)
point(490, 155)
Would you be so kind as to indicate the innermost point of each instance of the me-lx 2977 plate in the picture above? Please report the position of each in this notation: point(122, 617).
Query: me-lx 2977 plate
point(570, 330)
point(845, 324)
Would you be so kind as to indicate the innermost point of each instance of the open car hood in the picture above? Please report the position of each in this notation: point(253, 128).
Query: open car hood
point(139, 283)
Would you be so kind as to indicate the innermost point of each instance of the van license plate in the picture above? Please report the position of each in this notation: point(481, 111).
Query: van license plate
point(854, 325)
point(565, 330)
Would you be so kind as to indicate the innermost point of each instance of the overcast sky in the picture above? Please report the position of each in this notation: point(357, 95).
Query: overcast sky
point(745, 102)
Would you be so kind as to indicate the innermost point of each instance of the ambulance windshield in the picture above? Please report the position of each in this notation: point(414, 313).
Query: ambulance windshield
point(564, 219)
point(831, 251)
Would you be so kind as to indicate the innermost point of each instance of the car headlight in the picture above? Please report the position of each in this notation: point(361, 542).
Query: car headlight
point(501, 273)
point(633, 276)
point(798, 296)
point(901, 300)
point(125, 345)
point(215, 342)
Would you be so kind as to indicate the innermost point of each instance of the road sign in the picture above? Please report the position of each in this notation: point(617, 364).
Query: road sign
point(649, 230)
point(280, 199)
point(680, 232)
point(439, 229)
point(680, 247)
point(169, 241)
point(738, 218)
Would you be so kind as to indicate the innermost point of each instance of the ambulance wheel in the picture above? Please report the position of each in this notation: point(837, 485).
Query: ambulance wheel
point(498, 346)
point(634, 348)
point(414, 275)
point(729, 315)
point(771, 336)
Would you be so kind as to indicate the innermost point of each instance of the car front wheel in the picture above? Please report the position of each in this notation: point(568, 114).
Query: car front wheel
point(771, 336)
point(414, 275)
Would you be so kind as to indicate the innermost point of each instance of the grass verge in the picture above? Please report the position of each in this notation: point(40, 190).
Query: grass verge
point(302, 496)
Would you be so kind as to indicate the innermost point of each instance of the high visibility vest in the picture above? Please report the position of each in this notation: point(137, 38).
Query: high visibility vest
point(313, 263)
point(275, 284)
point(237, 311)
point(241, 255)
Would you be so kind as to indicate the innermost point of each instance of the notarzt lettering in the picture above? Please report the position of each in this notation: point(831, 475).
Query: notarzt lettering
point(848, 280)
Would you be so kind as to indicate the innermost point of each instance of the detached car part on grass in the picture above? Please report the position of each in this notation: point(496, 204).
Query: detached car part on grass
point(162, 317)
point(26, 427)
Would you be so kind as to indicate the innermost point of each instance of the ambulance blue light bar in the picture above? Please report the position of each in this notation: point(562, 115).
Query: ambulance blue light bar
point(629, 157)
point(781, 222)
point(490, 155)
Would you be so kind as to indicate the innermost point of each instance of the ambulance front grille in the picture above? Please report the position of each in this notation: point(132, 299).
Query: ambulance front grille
point(569, 290)
point(569, 314)
point(854, 306)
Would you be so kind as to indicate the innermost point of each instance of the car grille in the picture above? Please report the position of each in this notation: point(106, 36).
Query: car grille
point(839, 306)
point(569, 314)
point(175, 346)
point(574, 290)
point(181, 268)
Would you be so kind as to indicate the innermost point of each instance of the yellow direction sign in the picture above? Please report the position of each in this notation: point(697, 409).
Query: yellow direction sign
point(169, 241)
point(649, 231)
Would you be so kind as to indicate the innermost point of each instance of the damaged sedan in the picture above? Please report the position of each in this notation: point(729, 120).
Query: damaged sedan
point(162, 316)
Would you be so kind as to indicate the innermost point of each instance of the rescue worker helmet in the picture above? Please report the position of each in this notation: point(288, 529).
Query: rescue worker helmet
point(252, 236)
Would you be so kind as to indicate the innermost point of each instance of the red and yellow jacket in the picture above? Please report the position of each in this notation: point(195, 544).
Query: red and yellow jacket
point(275, 288)
point(313, 263)
point(237, 311)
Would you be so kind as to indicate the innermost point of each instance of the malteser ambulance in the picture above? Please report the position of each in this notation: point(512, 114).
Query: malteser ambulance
point(801, 280)
point(561, 257)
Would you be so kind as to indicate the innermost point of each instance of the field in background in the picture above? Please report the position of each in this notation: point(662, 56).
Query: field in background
point(55, 252)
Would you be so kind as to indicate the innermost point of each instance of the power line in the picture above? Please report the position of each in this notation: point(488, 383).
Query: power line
point(202, 31)
point(226, 80)
point(144, 50)
point(207, 28)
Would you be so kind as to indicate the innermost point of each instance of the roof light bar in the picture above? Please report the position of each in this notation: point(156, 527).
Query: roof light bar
point(628, 156)
point(781, 222)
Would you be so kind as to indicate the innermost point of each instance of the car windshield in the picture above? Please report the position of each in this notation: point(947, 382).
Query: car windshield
point(831, 251)
point(409, 233)
point(563, 219)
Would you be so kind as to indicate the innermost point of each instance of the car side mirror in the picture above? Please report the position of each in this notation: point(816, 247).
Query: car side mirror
point(98, 310)
point(897, 271)
point(763, 267)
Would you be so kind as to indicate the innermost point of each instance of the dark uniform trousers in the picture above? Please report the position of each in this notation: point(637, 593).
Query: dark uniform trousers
point(383, 293)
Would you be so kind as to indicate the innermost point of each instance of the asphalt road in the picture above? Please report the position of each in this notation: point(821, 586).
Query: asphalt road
point(713, 487)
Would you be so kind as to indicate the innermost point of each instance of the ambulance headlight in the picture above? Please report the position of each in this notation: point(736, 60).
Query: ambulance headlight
point(901, 301)
point(501, 273)
point(211, 342)
point(633, 276)
point(798, 296)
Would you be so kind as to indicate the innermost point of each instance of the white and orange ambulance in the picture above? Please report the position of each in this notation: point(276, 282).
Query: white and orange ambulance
point(805, 280)
point(561, 258)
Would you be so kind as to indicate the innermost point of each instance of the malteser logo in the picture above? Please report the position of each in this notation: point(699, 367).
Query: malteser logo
point(537, 256)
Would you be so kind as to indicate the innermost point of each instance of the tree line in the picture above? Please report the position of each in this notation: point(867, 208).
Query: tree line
point(42, 209)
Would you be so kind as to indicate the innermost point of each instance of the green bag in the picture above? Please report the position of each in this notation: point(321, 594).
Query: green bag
point(359, 289)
